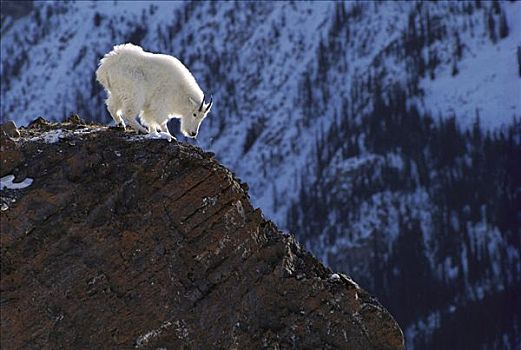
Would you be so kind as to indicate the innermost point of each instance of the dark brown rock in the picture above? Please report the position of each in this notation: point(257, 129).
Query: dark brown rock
point(39, 123)
point(122, 242)
point(75, 120)
point(10, 154)
point(10, 129)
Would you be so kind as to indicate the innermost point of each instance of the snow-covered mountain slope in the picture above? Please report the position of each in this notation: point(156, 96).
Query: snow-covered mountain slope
point(336, 114)
point(488, 81)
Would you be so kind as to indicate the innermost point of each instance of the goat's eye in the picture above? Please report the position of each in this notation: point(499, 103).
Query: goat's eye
point(194, 115)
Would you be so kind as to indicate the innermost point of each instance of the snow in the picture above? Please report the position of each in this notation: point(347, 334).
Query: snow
point(160, 136)
point(425, 325)
point(335, 277)
point(52, 136)
point(7, 182)
point(179, 327)
point(144, 339)
point(55, 136)
point(488, 83)
point(451, 270)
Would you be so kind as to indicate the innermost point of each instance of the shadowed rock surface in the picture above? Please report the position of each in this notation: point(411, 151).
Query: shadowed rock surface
point(124, 242)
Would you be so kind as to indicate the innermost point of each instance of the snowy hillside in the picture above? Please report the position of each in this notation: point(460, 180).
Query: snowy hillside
point(488, 81)
point(350, 122)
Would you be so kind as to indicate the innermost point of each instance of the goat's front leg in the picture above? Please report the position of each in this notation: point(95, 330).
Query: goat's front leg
point(165, 132)
point(152, 117)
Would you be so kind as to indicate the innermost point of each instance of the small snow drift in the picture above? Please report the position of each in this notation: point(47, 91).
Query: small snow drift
point(7, 182)
point(154, 86)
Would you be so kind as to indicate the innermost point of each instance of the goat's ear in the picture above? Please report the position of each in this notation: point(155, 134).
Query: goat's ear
point(192, 101)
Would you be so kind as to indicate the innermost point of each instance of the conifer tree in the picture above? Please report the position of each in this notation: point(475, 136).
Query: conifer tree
point(491, 26)
point(519, 60)
point(503, 25)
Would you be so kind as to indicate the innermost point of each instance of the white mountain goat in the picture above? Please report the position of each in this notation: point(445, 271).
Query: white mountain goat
point(156, 87)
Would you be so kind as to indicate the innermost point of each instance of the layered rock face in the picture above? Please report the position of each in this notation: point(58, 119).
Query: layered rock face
point(125, 242)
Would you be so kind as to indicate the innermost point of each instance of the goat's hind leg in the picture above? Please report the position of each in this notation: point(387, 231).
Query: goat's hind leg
point(130, 114)
point(113, 106)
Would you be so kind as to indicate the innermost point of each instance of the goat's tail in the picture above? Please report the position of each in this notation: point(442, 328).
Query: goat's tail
point(102, 75)
point(118, 53)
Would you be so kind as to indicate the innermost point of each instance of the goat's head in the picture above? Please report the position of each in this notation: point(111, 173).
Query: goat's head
point(190, 123)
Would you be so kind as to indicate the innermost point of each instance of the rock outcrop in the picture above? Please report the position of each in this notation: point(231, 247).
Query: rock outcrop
point(125, 242)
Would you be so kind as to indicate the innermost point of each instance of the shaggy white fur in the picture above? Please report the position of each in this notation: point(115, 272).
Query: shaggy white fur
point(154, 86)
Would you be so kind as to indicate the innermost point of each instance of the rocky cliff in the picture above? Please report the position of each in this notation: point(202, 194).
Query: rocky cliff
point(111, 240)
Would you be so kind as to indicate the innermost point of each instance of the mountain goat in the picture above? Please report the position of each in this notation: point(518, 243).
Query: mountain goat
point(156, 87)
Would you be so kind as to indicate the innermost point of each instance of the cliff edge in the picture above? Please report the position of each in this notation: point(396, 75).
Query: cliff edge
point(111, 240)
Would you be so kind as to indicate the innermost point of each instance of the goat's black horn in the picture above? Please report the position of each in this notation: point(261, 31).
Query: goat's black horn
point(209, 104)
point(202, 103)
